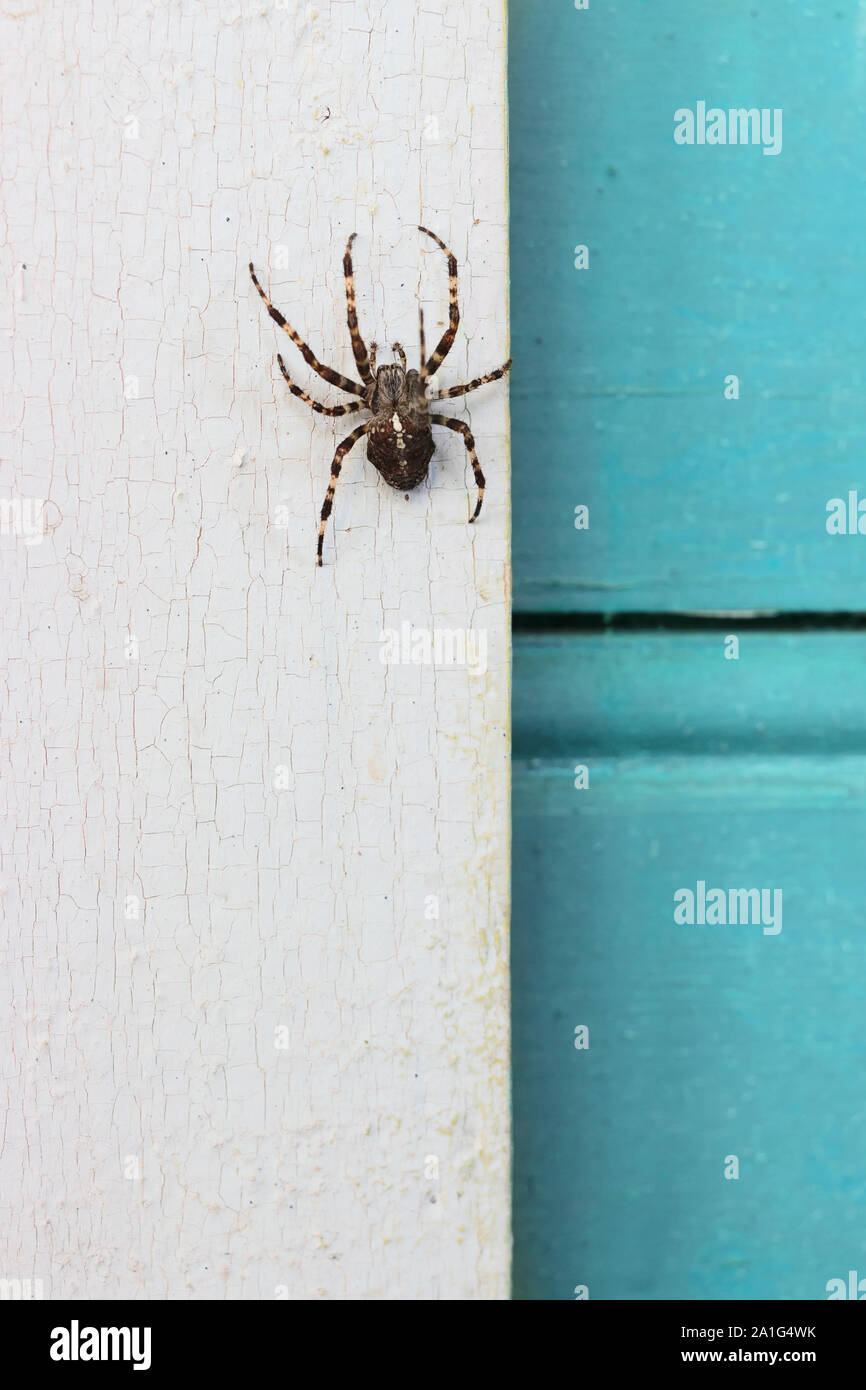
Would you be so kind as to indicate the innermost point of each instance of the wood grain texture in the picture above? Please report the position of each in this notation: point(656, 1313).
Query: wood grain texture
point(704, 262)
point(227, 817)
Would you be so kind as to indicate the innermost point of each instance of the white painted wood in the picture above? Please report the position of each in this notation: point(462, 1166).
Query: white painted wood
point(225, 815)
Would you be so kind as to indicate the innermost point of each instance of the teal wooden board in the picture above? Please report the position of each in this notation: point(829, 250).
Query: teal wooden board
point(705, 1041)
point(704, 261)
point(622, 692)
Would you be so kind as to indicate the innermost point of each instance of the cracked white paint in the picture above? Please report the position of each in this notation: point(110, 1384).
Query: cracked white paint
point(224, 815)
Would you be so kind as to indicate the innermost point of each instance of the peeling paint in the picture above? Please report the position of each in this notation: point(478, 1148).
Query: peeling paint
point(236, 1038)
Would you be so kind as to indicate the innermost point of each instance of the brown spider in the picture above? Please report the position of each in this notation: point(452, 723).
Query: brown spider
point(399, 438)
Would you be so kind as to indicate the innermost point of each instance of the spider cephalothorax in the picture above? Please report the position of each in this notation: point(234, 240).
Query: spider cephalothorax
point(399, 435)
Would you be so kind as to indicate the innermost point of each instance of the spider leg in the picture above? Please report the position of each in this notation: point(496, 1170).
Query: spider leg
point(358, 347)
point(342, 451)
point(348, 409)
point(373, 350)
point(471, 385)
point(326, 373)
point(397, 349)
point(422, 344)
point(460, 427)
point(443, 347)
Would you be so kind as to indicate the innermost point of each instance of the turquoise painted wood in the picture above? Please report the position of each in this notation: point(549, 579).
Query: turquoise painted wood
point(703, 262)
point(707, 1042)
point(623, 693)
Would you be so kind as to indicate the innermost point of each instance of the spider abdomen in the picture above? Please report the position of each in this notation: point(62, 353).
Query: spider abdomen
point(400, 449)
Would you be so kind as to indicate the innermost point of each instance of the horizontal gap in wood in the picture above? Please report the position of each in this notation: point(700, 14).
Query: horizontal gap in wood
point(723, 621)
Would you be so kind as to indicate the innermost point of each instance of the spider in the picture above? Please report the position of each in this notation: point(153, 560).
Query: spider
point(399, 438)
